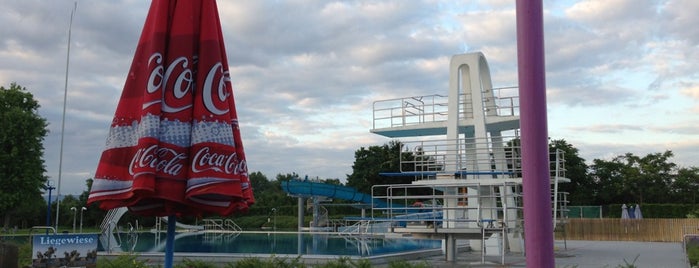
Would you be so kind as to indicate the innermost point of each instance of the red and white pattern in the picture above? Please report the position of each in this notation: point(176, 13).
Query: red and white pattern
point(174, 146)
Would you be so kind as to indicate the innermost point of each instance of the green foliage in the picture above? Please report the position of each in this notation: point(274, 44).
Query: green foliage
point(345, 262)
point(250, 263)
point(24, 252)
point(273, 262)
point(692, 250)
point(686, 185)
point(188, 263)
point(123, 261)
point(21, 149)
point(404, 264)
point(580, 185)
point(369, 162)
point(633, 179)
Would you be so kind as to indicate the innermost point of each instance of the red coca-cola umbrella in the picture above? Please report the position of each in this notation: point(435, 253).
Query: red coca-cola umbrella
point(174, 146)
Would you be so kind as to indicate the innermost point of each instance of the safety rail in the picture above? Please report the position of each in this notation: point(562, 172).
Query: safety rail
point(46, 228)
point(220, 225)
point(407, 111)
point(108, 228)
point(470, 158)
point(403, 205)
point(452, 210)
point(359, 227)
point(447, 205)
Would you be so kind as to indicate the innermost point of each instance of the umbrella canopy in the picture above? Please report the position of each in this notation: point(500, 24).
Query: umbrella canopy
point(174, 146)
point(624, 212)
point(638, 212)
point(632, 212)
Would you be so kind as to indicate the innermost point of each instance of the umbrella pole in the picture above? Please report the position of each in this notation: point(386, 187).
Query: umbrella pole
point(170, 241)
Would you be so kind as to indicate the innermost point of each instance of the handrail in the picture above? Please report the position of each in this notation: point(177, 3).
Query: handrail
point(469, 158)
point(406, 111)
point(226, 225)
point(360, 227)
point(397, 203)
point(47, 228)
point(233, 226)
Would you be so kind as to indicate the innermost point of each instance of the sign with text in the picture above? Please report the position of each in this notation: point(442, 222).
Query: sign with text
point(64, 250)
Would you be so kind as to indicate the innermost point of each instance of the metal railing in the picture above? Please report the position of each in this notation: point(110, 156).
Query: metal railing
point(359, 227)
point(500, 208)
point(220, 225)
point(471, 158)
point(407, 111)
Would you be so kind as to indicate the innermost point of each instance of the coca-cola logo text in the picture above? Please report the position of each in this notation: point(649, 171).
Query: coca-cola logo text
point(214, 92)
point(154, 158)
point(223, 76)
point(204, 160)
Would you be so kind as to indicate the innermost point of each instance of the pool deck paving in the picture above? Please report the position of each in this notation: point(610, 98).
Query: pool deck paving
point(583, 254)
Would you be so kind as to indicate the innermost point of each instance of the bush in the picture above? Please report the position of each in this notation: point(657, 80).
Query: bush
point(692, 249)
point(345, 262)
point(274, 262)
point(401, 264)
point(123, 261)
point(187, 263)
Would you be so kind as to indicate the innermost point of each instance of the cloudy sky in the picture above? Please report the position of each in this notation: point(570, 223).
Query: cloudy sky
point(622, 75)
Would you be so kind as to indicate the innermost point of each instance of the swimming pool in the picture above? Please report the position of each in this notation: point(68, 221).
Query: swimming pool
point(273, 243)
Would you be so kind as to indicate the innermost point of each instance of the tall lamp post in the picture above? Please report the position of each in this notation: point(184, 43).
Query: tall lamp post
point(274, 219)
point(49, 186)
point(81, 218)
point(63, 119)
point(75, 211)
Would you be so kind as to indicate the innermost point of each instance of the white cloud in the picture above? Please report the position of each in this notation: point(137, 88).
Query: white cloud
point(305, 73)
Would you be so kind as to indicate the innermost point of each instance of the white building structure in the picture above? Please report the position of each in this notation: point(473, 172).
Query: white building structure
point(464, 152)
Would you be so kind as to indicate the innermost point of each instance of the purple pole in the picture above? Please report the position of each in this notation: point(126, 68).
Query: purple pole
point(538, 219)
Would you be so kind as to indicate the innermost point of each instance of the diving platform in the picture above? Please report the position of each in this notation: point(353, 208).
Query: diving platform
point(415, 116)
point(464, 151)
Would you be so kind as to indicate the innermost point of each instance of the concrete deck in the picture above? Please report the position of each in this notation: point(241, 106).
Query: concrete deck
point(584, 254)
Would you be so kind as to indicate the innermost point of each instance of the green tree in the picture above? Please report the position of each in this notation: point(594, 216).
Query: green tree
point(369, 162)
point(652, 177)
point(21, 150)
point(93, 216)
point(632, 179)
point(67, 214)
point(266, 192)
point(686, 186)
point(608, 177)
point(581, 184)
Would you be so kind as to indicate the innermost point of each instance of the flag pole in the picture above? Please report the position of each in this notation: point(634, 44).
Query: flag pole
point(63, 119)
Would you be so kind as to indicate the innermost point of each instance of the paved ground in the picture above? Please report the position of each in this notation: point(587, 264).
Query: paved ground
point(585, 254)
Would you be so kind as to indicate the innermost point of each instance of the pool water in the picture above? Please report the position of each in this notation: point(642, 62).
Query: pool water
point(272, 243)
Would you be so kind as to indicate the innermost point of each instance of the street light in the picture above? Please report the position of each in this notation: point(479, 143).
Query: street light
point(75, 211)
point(274, 219)
point(49, 186)
point(81, 218)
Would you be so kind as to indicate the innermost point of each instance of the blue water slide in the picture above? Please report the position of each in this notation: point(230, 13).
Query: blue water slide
point(309, 188)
